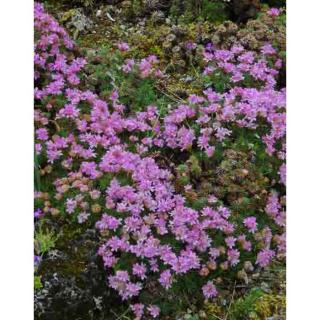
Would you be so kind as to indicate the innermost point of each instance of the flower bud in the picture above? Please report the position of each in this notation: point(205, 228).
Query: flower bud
point(65, 188)
point(45, 195)
point(224, 265)
point(96, 208)
point(204, 272)
point(86, 117)
point(248, 267)
point(48, 169)
point(84, 205)
point(212, 265)
point(55, 212)
point(222, 250)
point(58, 196)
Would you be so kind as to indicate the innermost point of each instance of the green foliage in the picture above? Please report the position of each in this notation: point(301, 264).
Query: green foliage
point(194, 165)
point(104, 75)
point(214, 11)
point(244, 307)
point(144, 95)
point(187, 11)
point(191, 317)
point(257, 305)
point(44, 240)
point(217, 80)
point(37, 282)
point(198, 204)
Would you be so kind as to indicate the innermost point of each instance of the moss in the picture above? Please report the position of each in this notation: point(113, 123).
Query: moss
point(270, 305)
point(194, 166)
point(215, 12)
point(37, 282)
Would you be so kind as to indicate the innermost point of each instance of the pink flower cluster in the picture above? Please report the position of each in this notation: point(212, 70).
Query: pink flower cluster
point(146, 67)
point(246, 106)
point(142, 217)
point(138, 310)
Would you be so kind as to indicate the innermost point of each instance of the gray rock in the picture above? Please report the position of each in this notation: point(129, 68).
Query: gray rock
point(158, 17)
point(79, 22)
point(74, 282)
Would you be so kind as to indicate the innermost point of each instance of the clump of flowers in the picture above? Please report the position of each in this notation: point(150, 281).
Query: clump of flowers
point(106, 174)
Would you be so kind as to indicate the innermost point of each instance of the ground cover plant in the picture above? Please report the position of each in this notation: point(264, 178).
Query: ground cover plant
point(175, 197)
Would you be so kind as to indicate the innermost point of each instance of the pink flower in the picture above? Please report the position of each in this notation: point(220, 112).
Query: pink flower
point(190, 45)
point(154, 311)
point(273, 12)
point(137, 309)
point(42, 134)
point(166, 279)
point(123, 46)
point(212, 199)
point(209, 290)
point(108, 223)
point(283, 173)
point(114, 95)
point(139, 270)
point(267, 49)
point(69, 111)
point(230, 241)
point(38, 148)
point(210, 151)
point(208, 70)
point(127, 67)
point(251, 224)
point(82, 217)
point(222, 133)
point(233, 256)
point(195, 99)
point(264, 257)
point(71, 205)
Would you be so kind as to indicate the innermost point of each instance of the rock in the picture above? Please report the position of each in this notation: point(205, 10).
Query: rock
point(245, 9)
point(158, 17)
point(265, 287)
point(187, 79)
point(242, 275)
point(55, 255)
point(256, 276)
point(79, 22)
point(74, 281)
point(170, 37)
point(248, 267)
point(109, 17)
point(176, 49)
